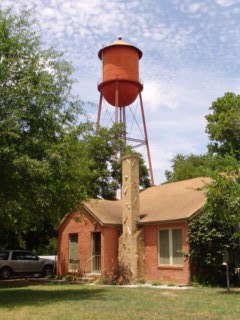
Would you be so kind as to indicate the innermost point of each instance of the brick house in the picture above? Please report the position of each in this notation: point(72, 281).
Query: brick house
point(146, 230)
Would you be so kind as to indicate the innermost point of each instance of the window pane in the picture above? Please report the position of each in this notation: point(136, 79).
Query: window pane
point(30, 257)
point(177, 246)
point(4, 255)
point(164, 246)
point(19, 255)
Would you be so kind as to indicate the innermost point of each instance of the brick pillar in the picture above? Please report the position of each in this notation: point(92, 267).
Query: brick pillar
point(131, 243)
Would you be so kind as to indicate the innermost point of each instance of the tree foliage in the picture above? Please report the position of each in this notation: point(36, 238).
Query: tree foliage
point(186, 167)
point(106, 170)
point(49, 161)
point(192, 166)
point(223, 125)
point(216, 230)
point(42, 156)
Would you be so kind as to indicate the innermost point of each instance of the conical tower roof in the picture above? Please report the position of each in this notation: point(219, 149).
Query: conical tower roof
point(119, 42)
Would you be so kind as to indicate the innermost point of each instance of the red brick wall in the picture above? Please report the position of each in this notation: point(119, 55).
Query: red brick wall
point(165, 274)
point(84, 224)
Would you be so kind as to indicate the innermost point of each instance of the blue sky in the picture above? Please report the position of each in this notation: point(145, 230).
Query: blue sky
point(190, 57)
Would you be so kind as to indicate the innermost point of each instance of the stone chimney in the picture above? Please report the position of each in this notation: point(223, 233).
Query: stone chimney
point(131, 242)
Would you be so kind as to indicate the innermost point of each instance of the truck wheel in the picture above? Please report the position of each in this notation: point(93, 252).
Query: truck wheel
point(5, 273)
point(47, 271)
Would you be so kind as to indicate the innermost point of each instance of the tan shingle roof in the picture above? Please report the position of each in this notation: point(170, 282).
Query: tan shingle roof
point(173, 201)
point(106, 211)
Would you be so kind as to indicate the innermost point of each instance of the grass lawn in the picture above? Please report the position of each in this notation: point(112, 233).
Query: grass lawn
point(38, 301)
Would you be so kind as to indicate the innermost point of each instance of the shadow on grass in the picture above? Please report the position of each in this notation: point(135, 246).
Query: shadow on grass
point(17, 283)
point(47, 294)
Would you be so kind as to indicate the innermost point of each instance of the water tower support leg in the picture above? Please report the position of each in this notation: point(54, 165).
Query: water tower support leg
point(116, 101)
point(99, 112)
point(124, 132)
point(146, 139)
point(124, 121)
point(116, 122)
point(120, 114)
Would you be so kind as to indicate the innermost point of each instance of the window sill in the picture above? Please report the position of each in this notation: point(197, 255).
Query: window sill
point(170, 267)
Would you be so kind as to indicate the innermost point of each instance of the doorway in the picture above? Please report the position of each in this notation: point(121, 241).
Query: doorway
point(96, 252)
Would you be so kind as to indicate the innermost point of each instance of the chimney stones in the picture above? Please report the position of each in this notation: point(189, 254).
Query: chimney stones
point(131, 243)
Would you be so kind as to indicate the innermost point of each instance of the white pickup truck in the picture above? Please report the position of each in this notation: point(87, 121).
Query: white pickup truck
point(22, 262)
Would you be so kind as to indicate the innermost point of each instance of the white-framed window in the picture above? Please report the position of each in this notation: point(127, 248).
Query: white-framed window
point(170, 247)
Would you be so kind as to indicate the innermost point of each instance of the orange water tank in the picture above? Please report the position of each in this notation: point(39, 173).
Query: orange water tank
point(120, 84)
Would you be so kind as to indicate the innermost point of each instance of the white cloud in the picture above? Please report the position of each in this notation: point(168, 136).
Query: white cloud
point(194, 7)
point(157, 95)
point(225, 3)
point(48, 13)
point(184, 124)
point(161, 161)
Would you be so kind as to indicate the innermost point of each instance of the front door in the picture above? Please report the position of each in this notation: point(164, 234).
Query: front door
point(96, 252)
point(73, 252)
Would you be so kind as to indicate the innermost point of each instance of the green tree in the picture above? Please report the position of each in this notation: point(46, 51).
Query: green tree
point(186, 167)
point(192, 166)
point(49, 161)
point(223, 125)
point(42, 159)
point(216, 230)
point(106, 171)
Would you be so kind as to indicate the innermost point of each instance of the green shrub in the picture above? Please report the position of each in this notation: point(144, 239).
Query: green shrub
point(156, 283)
point(170, 284)
point(68, 277)
point(141, 281)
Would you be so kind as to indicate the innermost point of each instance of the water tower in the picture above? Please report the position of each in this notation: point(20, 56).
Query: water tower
point(121, 87)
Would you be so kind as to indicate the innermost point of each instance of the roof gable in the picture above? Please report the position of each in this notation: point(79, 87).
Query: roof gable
point(168, 202)
point(107, 212)
point(172, 201)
